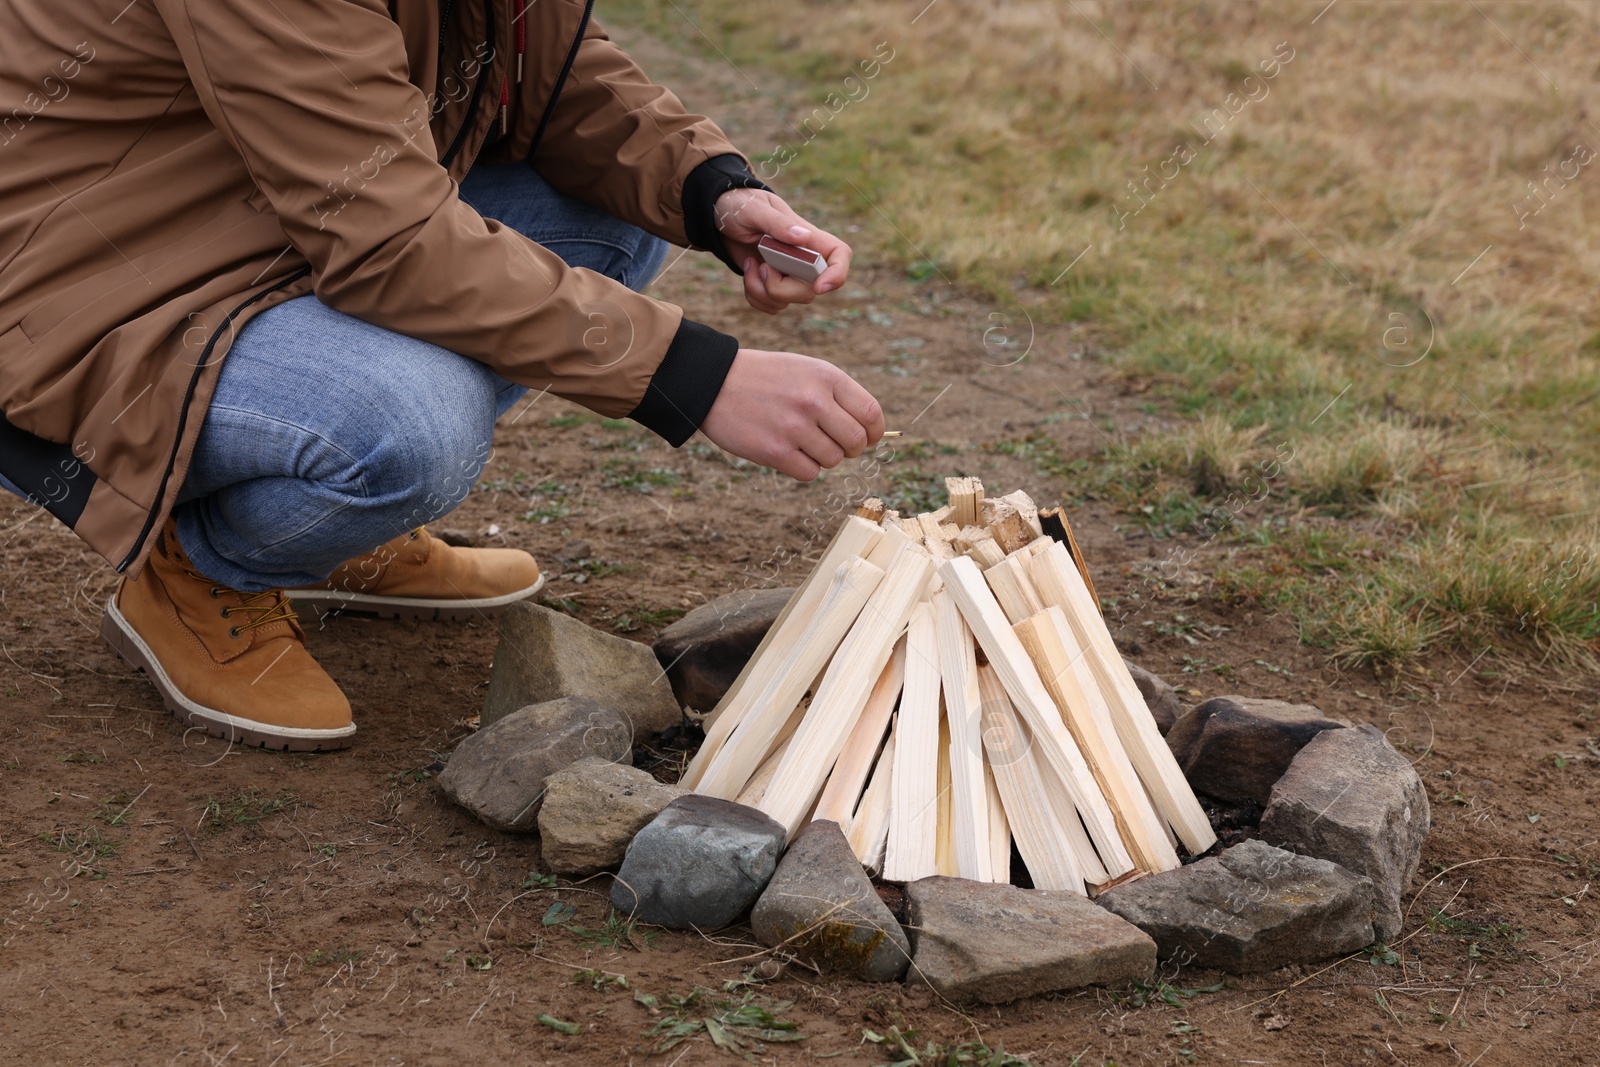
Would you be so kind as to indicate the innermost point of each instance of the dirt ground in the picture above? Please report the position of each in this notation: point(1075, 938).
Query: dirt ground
point(167, 899)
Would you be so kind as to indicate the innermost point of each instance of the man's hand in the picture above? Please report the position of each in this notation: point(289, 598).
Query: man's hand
point(744, 216)
point(792, 413)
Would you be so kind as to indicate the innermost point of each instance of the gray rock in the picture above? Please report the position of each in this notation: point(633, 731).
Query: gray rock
point(1350, 798)
point(995, 943)
point(699, 865)
point(1252, 908)
point(704, 651)
point(591, 811)
point(544, 655)
point(499, 773)
point(1159, 697)
point(821, 894)
point(1235, 748)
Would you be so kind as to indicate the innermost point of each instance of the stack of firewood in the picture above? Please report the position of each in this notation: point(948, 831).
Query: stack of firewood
point(942, 684)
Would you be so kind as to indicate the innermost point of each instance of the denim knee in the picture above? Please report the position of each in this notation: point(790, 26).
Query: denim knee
point(422, 460)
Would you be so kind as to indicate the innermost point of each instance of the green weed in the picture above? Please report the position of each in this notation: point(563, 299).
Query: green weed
point(243, 808)
point(743, 1026)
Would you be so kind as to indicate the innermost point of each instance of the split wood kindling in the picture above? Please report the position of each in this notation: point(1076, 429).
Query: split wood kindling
point(942, 685)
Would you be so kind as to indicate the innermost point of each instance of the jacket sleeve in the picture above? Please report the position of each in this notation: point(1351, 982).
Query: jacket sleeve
point(619, 141)
point(314, 96)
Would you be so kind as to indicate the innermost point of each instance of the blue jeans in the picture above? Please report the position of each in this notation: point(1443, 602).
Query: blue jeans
point(328, 436)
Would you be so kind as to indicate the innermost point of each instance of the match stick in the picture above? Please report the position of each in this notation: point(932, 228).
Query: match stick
point(894, 433)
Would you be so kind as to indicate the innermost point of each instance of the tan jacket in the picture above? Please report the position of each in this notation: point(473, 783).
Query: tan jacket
point(169, 168)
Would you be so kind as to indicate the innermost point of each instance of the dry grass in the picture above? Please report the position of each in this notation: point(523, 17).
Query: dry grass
point(1378, 257)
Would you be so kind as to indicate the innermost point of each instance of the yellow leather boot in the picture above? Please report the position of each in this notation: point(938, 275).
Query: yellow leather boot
point(232, 664)
point(417, 576)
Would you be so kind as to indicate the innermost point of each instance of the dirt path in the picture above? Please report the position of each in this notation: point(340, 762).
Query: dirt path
point(167, 899)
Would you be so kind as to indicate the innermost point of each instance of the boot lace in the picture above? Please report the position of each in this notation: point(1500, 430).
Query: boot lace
point(263, 608)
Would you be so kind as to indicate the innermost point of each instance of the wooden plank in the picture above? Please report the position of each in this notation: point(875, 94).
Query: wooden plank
point(853, 537)
point(965, 496)
point(1026, 510)
point(756, 788)
point(986, 554)
point(1041, 838)
point(932, 529)
point(1003, 521)
point(958, 674)
point(888, 549)
point(945, 838)
point(751, 795)
point(854, 766)
point(840, 698)
point(968, 536)
point(872, 509)
point(869, 826)
point(1077, 840)
point(912, 851)
point(1060, 585)
point(999, 829)
point(1056, 527)
point(738, 758)
point(912, 529)
point(1053, 743)
point(1059, 659)
point(1012, 587)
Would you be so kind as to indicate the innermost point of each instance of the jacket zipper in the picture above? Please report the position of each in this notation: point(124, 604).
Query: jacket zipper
point(566, 69)
point(188, 400)
point(477, 86)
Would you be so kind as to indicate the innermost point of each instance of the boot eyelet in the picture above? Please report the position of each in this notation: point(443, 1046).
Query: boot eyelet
point(216, 592)
point(234, 633)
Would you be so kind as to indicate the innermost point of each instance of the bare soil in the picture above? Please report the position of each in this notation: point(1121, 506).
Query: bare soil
point(167, 898)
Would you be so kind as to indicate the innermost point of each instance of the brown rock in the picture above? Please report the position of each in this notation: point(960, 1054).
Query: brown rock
point(1251, 908)
point(1235, 748)
point(544, 655)
point(499, 773)
point(591, 811)
point(1350, 798)
point(704, 651)
point(995, 943)
point(822, 906)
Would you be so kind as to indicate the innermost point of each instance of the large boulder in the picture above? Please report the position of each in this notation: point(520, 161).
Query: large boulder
point(1159, 697)
point(591, 811)
point(822, 908)
point(704, 651)
point(993, 943)
point(1251, 908)
point(699, 865)
point(1350, 798)
point(1235, 748)
point(544, 655)
point(499, 773)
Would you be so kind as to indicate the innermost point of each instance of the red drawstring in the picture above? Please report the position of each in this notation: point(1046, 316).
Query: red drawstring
point(521, 24)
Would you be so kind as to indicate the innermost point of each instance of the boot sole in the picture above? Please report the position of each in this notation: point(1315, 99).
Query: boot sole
point(314, 605)
point(131, 647)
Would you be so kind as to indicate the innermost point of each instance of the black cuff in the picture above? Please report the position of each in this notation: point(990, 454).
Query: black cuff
point(686, 383)
point(701, 189)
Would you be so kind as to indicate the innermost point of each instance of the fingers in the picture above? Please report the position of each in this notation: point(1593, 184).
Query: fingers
point(767, 214)
point(861, 406)
point(771, 291)
point(844, 430)
point(821, 448)
point(799, 466)
point(838, 255)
